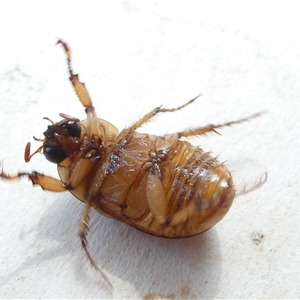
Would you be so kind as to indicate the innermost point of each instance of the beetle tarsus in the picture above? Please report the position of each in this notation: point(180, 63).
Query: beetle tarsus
point(254, 187)
point(45, 182)
point(83, 231)
point(78, 86)
point(212, 127)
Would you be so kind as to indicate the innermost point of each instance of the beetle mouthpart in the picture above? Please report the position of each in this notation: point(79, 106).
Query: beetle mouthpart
point(38, 140)
point(68, 117)
point(45, 118)
point(27, 155)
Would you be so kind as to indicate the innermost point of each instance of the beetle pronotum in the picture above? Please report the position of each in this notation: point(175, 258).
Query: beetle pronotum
point(160, 185)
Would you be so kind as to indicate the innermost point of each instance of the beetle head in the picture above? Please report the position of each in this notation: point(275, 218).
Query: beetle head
point(71, 137)
point(62, 140)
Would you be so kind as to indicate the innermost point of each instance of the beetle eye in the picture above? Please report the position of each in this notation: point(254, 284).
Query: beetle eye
point(54, 154)
point(73, 129)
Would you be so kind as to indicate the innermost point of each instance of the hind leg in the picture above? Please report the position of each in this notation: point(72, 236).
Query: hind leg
point(212, 127)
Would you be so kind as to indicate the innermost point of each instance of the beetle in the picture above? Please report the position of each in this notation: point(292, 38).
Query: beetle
point(161, 185)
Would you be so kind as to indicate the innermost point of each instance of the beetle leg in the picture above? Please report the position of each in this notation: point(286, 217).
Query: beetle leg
point(83, 231)
point(254, 187)
point(183, 214)
point(212, 127)
point(158, 203)
point(79, 86)
point(45, 182)
point(157, 110)
point(156, 198)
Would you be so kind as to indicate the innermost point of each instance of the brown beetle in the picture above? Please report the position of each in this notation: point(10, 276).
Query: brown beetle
point(160, 185)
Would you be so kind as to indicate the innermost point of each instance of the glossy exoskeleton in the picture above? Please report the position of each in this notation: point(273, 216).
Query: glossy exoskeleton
point(161, 185)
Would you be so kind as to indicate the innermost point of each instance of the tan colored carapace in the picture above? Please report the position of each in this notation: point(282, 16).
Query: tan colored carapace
point(160, 185)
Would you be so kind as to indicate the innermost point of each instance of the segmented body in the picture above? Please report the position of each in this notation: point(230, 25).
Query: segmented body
point(193, 189)
point(163, 186)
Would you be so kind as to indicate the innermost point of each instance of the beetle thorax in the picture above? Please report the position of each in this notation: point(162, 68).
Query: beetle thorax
point(106, 131)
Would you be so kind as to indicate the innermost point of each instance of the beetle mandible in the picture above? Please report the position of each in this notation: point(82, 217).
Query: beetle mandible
point(161, 185)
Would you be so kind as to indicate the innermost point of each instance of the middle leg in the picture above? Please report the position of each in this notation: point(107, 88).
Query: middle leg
point(157, 110)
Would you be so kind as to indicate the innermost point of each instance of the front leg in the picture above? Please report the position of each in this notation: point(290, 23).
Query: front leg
point(45, 182)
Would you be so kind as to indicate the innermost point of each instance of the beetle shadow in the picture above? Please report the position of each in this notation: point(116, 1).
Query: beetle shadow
point(158, 266)
point(55, 224)
point(183, 268)
point(152, 265)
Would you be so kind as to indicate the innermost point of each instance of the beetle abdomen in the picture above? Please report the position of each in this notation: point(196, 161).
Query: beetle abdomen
point(172, 189)
point(199, 189)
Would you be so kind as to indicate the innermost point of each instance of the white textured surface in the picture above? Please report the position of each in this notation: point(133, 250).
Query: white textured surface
point(242, 56)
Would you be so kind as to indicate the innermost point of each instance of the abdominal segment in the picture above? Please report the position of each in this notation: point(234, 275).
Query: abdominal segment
point(174, 192)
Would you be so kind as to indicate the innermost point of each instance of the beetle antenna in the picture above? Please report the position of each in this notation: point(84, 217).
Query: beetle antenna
point(38, 140)
point(68, 117)
point(45, 118)
point(27, 155)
